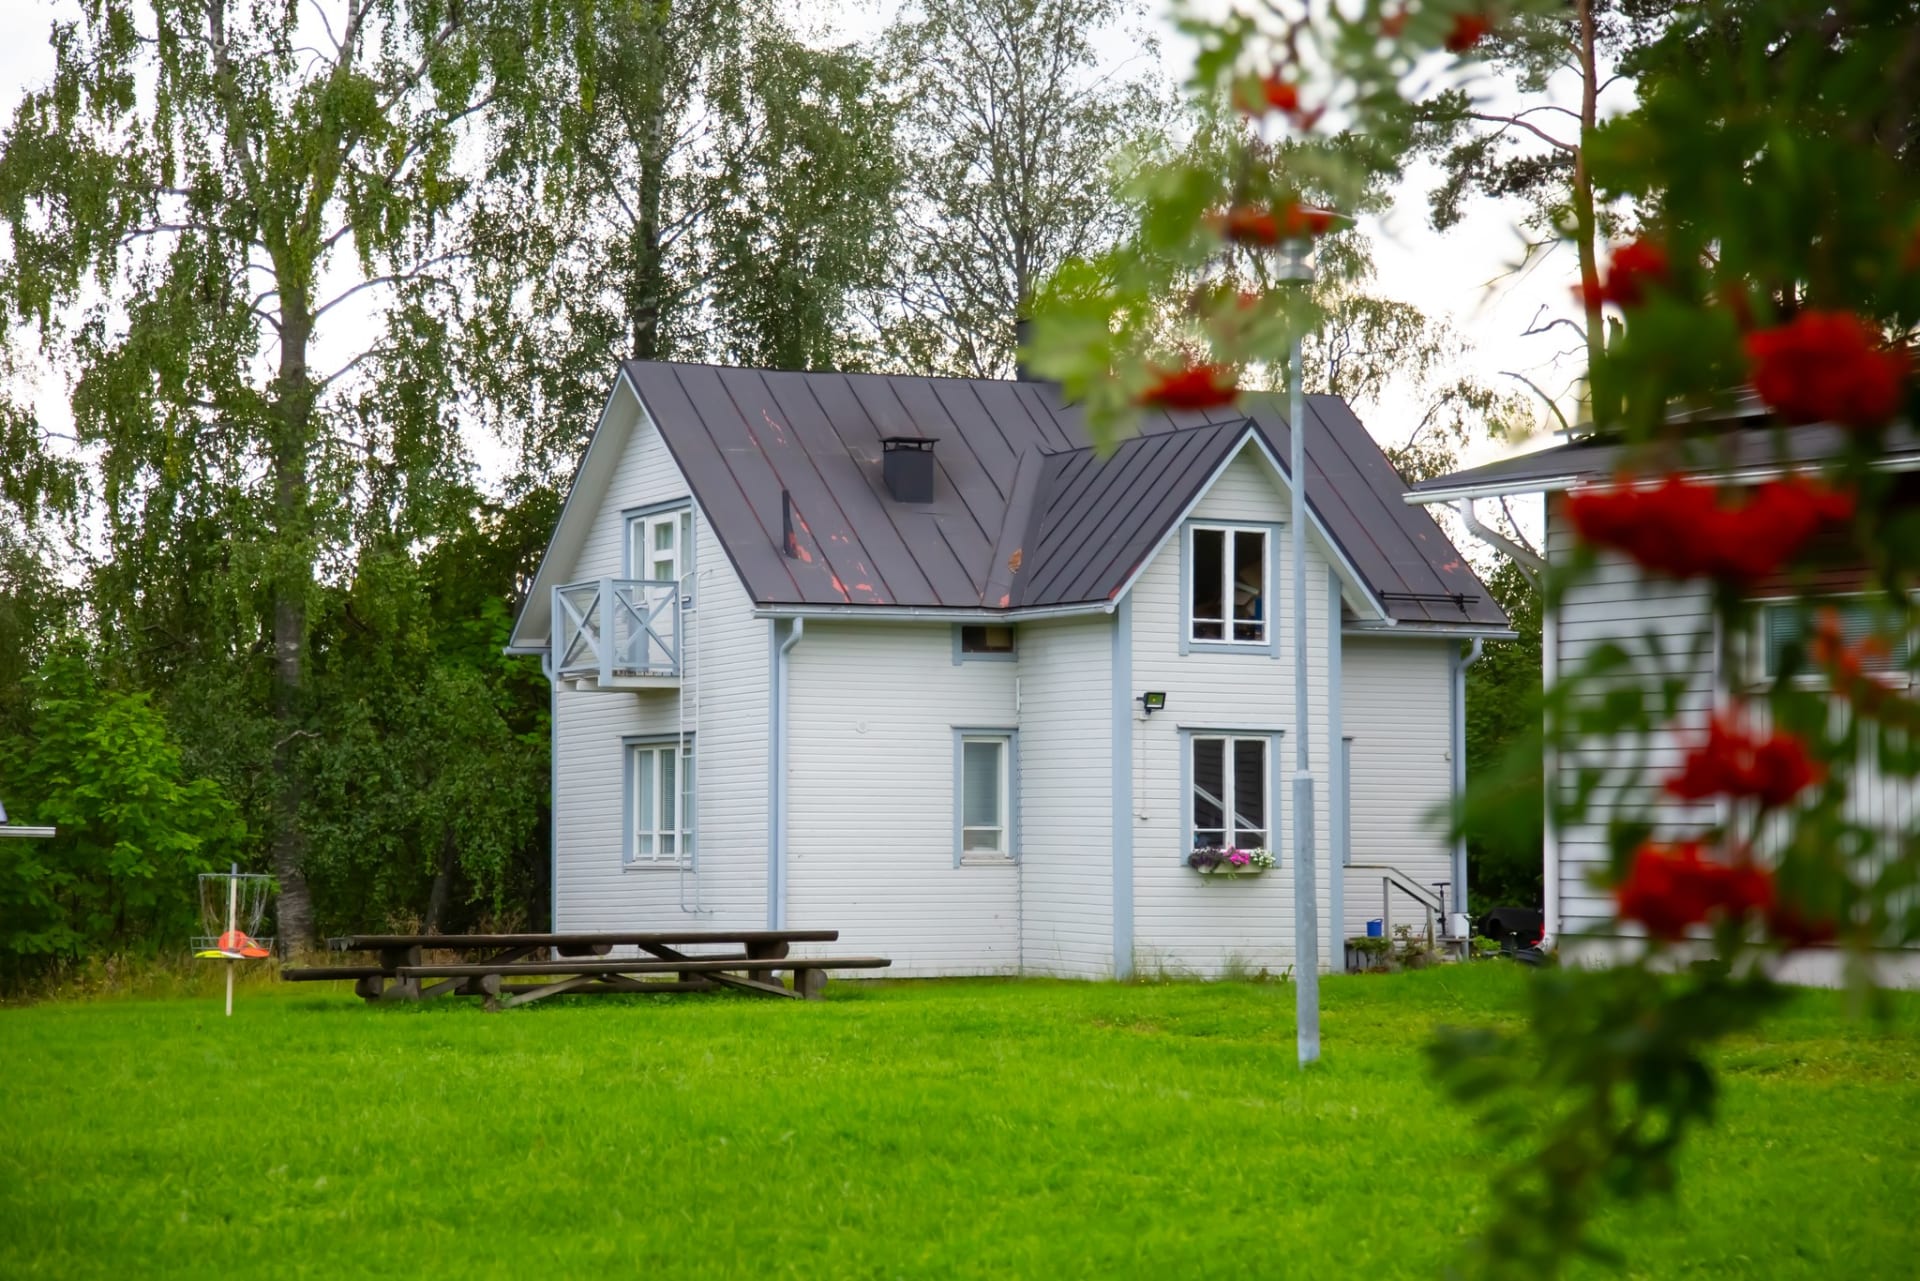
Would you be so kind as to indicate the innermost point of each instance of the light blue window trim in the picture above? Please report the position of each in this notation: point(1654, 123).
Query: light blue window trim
point(960, 657)
point(687, 554)
point(1346, 801)
point(1120, 783)
point(1270, 647)
point(1274, 778)
point(687, 800)
point(1010, 800)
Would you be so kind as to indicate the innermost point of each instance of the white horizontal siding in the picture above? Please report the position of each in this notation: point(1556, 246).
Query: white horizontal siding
point(1066, 754)
point(1396, 709)
point(872, 708)
point(1184, 922)
point(724, 691)
point(1658, 623)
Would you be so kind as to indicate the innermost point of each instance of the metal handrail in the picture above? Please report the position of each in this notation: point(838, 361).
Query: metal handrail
point(1391, 879)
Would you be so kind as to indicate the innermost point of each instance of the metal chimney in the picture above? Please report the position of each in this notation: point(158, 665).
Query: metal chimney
point(907, 464)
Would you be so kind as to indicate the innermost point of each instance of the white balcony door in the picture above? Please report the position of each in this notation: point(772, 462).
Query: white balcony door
point(657, 545)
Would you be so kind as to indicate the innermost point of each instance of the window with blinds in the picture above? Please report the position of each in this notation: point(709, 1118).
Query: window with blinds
point(1786, 626)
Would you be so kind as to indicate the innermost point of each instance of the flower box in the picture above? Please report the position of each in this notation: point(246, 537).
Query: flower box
point(1215, 861)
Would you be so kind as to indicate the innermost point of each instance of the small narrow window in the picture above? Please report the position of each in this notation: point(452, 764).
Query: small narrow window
point(986, 639)
point(1229, 801)
point(1229, 587)
point(984, 788)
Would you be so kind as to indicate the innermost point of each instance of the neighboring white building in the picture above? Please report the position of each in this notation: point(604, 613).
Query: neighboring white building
point(869, 653)
point(1661, 623)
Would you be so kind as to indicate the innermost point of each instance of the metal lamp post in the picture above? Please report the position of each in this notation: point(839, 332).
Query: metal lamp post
point(1306, 870)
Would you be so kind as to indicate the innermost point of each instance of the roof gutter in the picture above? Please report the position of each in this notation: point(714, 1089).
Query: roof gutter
point(935, 613)
point(1415, 631)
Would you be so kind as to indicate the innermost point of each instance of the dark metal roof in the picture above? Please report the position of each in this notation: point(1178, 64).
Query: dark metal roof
point(1732, 449)
point(1024, 513)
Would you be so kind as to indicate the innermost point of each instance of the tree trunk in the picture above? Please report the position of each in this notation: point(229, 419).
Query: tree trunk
point(1585, 226)
point(647, 279)
point(292, 575)
point(442, 891)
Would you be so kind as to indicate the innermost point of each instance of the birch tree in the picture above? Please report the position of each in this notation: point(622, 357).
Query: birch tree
point(203, 191)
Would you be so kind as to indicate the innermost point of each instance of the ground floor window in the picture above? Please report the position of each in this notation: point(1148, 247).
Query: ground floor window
point(660, 801)
point(1229, 802)
point(984, 804)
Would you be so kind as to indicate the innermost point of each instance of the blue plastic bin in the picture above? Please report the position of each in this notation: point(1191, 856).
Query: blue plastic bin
point(1375, 929)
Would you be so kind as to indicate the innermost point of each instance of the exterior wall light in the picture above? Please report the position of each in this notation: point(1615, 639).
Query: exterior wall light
point(1154, 701)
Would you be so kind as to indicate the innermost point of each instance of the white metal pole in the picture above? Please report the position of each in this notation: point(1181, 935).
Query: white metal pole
point(233, 913)
point(1306, 893)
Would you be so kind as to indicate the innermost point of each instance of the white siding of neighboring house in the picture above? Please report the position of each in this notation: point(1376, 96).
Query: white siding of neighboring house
point(1184, 922)
point(725, 690)
point(872, 708)
point(1066, 755)
point(1396, 709)
point(1618, 604)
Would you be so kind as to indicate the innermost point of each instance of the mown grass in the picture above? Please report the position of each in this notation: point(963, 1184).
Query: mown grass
point(910, 1129)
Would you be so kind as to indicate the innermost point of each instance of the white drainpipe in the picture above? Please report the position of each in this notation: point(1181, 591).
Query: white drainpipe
point(779, 781)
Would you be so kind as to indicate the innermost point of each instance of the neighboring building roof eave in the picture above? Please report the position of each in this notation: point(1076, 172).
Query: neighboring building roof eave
point(1770, 452)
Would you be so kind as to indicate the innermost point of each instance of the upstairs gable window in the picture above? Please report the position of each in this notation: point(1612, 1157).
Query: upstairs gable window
point(659, 544)
point(1229, 585)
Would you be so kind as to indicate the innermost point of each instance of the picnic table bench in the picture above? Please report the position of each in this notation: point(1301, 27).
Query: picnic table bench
point(744, 960)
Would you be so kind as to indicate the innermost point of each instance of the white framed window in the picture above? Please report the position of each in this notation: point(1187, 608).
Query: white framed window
point(660, 543)
point(1229, 804)
point(659, 802)
point(1229, 585)
point(1785, 624)
point(986, 805)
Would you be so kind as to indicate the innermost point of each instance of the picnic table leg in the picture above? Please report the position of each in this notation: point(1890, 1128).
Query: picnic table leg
point(765, 951)
point(490, 986)
point(810, 983)
point(370, 987)
point(403, 989)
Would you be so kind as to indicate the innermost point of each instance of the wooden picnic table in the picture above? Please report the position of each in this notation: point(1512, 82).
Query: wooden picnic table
point(744, 960)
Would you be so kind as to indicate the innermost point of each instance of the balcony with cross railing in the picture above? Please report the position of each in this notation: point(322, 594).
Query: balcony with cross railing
point(618, 633)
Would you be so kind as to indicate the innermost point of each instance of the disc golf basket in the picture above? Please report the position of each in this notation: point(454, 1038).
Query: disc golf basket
point(232, 905)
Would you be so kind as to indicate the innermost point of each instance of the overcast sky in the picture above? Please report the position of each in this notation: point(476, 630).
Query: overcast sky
point(1467, 274)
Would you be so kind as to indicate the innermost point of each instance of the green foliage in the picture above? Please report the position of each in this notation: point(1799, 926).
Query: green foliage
point(687, 181)
point(1506, 792)
point(1600, 1090)
point(134, 826)
point(1018, 138)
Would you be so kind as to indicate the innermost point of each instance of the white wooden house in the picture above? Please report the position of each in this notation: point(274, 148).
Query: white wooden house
point(870, 653)
point(1657, 621)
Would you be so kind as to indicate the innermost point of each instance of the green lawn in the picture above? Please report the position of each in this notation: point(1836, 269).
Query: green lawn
point(911, 1129)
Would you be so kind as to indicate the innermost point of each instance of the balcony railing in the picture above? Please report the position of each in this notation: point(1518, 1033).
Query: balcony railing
point(620, 632)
